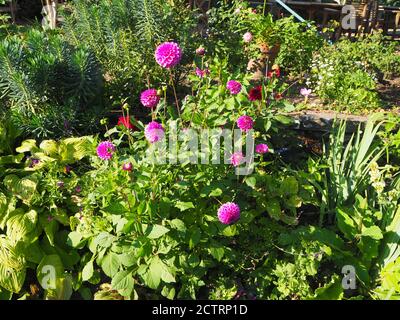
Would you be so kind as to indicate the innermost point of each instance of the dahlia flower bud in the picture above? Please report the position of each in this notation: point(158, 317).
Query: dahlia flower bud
point(127, 166)
point(200, 51)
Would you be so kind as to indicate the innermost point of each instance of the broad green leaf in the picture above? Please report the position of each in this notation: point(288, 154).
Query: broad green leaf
point(331, 291)
point(155, 231)
point(24, 188)
point(230, 231)
point(168, 292)
point(104, 240)
point(74, 149)
point(184, 205)
point(274, 209)
point(289, 186)
point(50, 228)
point(21, 225)
point(194, 237)
point(178, 224)
point(158, 271)
point(34, 253)
point(128, 259)
point(217, 252)
point(5, 295)
point(63, 289)
point(110, 264)
point(74, 239)
point(49, 270)
point(12, 267)
point(26, 146)
point(373, 232)
point(7, 160)
point(87, 271)
point(123, 283)
point(49, 147)
point(283, 119)
point(346, 224)
point(251, 181)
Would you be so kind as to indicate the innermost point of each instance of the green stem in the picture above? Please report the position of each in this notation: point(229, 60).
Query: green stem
point(175, 95)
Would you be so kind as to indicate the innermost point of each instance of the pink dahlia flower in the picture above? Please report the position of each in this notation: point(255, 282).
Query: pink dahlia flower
point(149, 98)
point(229, 213)
point(234, 86)
point(105, 150)
point(245, 123)
point(262, 148)
point(154, 132)
point(168, 54)
point(127, 166)
point(247, 37)
point(237, 159)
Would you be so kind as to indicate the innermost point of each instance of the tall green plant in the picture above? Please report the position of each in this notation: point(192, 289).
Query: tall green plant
point(343, 171)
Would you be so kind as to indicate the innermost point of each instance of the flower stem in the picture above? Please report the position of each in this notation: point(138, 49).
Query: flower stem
point(173, 88)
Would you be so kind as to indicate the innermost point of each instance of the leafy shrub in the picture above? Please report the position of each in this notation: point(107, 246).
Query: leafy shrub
point(347, 73)
point(228, 23)
point(123, 36)
point(44, 81)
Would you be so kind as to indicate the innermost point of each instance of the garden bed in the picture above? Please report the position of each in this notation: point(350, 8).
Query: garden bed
point(117, 176)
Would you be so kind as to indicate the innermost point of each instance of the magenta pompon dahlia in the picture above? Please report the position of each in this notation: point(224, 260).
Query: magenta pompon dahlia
point(168, 55)
point(149, 98)
point(245, 123)
point(237, 159)
point(154, 132)
point(229, 213)
point(234, 86)
point(105, 150)
point(262, 148)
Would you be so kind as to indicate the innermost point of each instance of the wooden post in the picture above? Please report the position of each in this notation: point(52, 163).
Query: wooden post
point(50, 9)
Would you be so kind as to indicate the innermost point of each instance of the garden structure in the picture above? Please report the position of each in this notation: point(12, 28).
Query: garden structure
point(222, 150)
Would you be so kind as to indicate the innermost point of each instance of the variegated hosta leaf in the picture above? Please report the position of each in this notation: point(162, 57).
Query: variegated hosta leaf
point(49, 147)
point(7, 209)
point(19, 226)
point(24, 189)
point(12, 267)
point(74, 149)
point(27, 145)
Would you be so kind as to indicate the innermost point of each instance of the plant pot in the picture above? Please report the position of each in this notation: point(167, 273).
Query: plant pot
point(268, 55)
